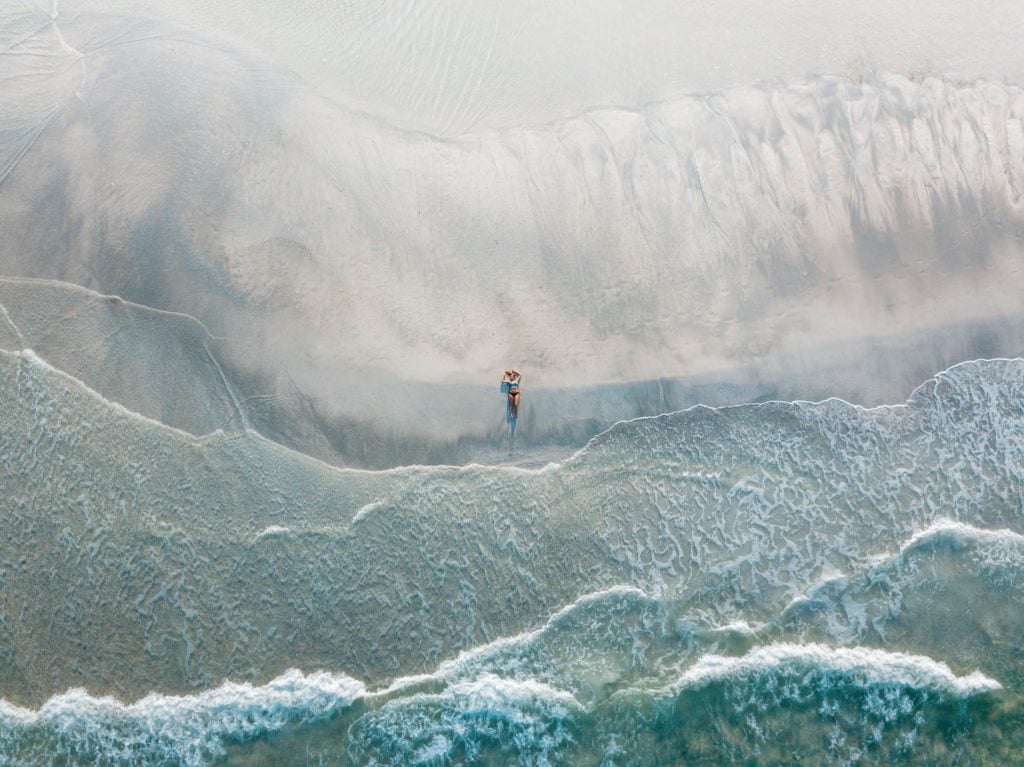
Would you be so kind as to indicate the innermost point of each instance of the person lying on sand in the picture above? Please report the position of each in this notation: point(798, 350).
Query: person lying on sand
point(510, 386)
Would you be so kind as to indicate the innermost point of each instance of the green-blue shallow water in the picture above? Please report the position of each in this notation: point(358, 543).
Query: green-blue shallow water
point(784, 583)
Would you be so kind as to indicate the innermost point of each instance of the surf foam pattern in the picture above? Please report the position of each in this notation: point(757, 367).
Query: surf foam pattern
point(868, 666)
point(480, 707)
point(731, 512)
point(166, 729)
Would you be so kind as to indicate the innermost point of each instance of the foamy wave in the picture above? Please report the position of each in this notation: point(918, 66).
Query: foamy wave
point(525, 717)
point(960, 533)
point(188, 730)
point(501, 696)
point(867, 665)
point(850, 604)
point(474, 658)
point(272, 531)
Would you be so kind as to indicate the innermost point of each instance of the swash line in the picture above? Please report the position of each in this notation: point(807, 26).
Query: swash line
point(10, 322)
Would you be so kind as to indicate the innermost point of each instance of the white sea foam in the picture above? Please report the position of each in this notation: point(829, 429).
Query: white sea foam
point(367, 510)
point(867, 665)
point(189, 729)
point(421, 729)
point(961, 533)
point(500, 696)
point(737, 627)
